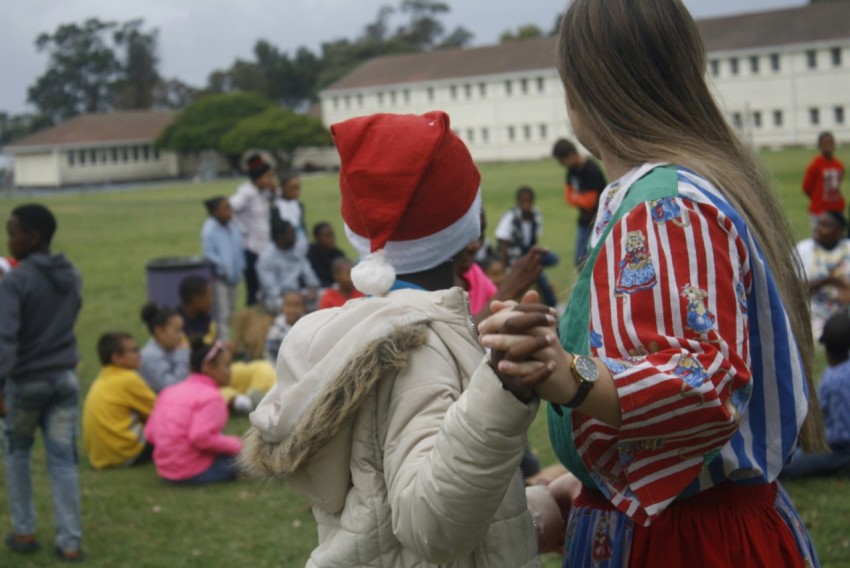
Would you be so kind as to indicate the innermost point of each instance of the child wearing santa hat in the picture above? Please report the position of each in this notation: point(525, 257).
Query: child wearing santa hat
point(386, 414)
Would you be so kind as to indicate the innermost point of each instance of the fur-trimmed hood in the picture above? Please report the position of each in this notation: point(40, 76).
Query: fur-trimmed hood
point(328, 363)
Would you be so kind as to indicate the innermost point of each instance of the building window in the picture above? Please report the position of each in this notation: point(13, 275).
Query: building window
point(470, 135)
point(757, 119)
point(544, 131)
point(453, 91)
point(836, 56)
point(71, 158)
point(482, 89)
point(511, 133)
point(526, 131)
point(838, 114)
point(115, 155)
point(736, 120)
point(814, 116)
point(485, 134)
point(430, 93)
point(406, 95)
point(125, 154)
point(467, 91)
point(733, 65)
point(347, 100)
point(392, 98)
point(359, 99)
point(754, 65)
point(156, 155)
point(775, 62)
point(523, 85)
point(335, 102)
point(135, 153)
point(812, 59)
point(146, 153)
point(82, 157)
point(380, 99)
point(715, 67)
point(777, 118)
point(508, 87)
point(541, 84)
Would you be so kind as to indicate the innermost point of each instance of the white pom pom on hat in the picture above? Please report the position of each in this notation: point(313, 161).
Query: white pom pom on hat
point(410, 194)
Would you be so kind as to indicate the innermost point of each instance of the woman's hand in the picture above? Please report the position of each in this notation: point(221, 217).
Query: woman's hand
point(515, 325)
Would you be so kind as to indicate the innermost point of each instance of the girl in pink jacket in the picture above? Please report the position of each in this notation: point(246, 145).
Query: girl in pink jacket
point(186, 424)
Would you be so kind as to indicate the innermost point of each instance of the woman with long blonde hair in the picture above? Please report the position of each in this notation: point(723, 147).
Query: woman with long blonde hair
point(682, 379)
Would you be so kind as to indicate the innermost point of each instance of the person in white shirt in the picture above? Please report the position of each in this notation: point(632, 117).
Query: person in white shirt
point(825, 259)
point(289, 208)
point(251, 215)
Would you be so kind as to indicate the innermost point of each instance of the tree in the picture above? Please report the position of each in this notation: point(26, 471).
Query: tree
point(17, 126)
point(140, 75)
point(83, 73)
point(527, 31)
point(204, 122)
point(277, 130)
point(173, 94)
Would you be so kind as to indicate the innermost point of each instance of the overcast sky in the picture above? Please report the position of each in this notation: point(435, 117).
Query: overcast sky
point(197, 36)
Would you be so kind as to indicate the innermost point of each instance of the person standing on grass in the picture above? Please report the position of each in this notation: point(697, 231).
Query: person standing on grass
point(834, 395)
point(585, 183)
point(386, 415)
point(822, 182)
point(186, 424)
point(681, 380)
point(117, 405)
point(222, 248)
point(287, 206)
point(251, 215)
point(39, 304)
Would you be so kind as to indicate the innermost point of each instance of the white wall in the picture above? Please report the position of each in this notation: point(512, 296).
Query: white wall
point(495, 124)
point(749, 99)
point(37, 170)
point(116, 164)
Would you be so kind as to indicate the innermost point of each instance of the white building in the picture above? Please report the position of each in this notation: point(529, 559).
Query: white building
point(95, 149)
point(782, 76)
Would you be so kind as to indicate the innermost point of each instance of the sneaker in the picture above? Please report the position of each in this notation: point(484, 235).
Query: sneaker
point(21, 543)
point(71, 556)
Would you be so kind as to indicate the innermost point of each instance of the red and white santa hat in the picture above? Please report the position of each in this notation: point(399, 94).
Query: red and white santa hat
point(410, 195)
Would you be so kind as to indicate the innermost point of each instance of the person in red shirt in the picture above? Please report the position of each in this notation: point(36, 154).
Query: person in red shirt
point(343, 289)
point(823, 179)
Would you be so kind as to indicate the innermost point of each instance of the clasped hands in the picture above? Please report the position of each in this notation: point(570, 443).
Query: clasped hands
point(525, 351)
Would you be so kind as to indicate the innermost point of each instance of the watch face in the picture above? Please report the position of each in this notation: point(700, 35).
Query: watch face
point(586, 367)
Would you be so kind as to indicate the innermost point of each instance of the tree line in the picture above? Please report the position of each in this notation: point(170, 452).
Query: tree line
point(101, 66)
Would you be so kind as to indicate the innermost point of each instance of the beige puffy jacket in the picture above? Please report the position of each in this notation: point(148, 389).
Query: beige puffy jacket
point(387, 417)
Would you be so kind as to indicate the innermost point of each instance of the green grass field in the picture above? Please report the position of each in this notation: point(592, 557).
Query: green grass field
point(133, 519)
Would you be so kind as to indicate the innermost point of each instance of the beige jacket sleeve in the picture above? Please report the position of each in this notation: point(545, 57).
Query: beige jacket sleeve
point(449, 458)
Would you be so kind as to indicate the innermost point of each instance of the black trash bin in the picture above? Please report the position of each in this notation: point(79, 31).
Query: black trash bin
point(165, 274)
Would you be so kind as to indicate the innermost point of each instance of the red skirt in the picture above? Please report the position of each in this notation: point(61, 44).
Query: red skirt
point(727, 525)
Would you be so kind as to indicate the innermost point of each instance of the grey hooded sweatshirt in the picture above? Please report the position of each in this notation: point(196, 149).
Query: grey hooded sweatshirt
point(39, 303)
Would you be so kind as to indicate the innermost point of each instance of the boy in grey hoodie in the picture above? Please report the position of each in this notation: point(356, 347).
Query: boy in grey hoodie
point(39, 303)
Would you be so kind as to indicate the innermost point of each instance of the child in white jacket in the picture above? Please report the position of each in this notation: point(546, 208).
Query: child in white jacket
point(387, 415)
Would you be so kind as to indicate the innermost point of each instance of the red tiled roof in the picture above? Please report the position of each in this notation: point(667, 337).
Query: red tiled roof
point(132, 126)
point(530, 54)
point(821, 21)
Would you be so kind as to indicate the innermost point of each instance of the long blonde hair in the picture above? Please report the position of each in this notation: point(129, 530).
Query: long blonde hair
point(634, 72)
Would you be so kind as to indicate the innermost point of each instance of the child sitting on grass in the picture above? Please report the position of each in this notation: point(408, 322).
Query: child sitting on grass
point(117, 404)
point(165, 357)
point(281, 267)
point(343, 289)
point(196, 308)
point(291, 311)
point(834, 397)
point(186, 424)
